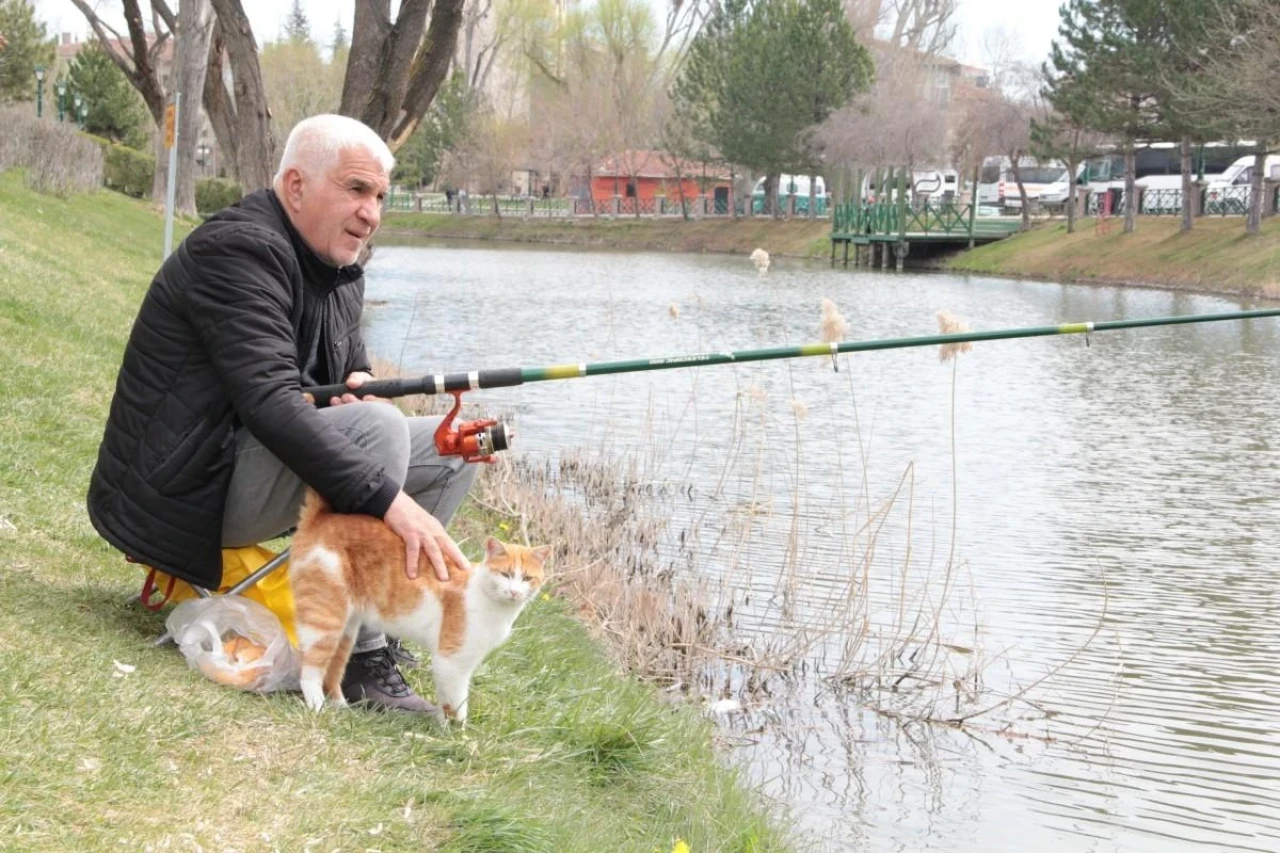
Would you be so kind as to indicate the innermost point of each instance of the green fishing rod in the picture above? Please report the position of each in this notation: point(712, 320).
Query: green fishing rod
point(507, 377)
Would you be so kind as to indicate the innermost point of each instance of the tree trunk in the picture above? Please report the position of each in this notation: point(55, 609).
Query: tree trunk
point(195, 28)
point(160, 176)
point(216, 106)
point(733, 192)
point(1130, 189)
point(813, 195)
point(1253, 222)
point(395, 72)
point(1022, 190)
point(770, 201)
point(255, 149)
point(1073, 165)
point(1187, 184)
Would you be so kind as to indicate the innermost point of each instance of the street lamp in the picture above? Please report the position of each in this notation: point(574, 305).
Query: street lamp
point(84, 115)
point(79, 113)
point(202, 155)
point(39, 91)
point(61, 87)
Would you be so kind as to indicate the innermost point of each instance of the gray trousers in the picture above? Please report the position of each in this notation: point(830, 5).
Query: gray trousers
point(265, 496)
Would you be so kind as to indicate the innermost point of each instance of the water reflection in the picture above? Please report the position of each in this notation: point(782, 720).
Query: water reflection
point(1112, 503)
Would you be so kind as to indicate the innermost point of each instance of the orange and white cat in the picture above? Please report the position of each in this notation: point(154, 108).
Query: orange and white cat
point(348, 570)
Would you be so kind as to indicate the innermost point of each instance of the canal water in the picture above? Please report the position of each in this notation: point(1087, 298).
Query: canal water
point(1069, 543)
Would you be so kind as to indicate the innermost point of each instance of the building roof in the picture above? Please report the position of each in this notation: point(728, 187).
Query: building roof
point(656, 164)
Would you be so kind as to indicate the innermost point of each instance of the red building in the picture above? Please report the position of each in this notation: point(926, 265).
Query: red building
point(648, 175)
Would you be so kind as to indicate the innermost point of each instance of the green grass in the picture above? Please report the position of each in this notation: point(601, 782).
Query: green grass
point(1215, 256)
point(563, 753)
point(797, 237)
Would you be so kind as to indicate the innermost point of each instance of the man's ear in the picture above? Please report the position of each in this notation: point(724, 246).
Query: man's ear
point(291, 184)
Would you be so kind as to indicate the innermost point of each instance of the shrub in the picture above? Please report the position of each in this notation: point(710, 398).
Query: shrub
point(126, 170)
point(57, 160)
point(213, 194)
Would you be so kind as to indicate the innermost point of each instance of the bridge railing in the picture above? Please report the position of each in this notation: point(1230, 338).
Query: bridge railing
point(889, 217)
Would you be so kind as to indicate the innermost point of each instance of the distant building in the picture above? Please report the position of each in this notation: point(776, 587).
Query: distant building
point(648, 174)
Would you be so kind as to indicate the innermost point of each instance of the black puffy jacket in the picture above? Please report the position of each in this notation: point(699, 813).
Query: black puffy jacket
point(219, 342)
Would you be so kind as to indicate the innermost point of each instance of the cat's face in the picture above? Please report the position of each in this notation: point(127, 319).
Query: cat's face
point(513, 573)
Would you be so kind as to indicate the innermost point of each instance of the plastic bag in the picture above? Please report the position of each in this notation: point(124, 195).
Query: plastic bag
point(235, 641)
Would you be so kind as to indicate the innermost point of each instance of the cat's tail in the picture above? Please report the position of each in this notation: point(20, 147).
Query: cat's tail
point(313, 506)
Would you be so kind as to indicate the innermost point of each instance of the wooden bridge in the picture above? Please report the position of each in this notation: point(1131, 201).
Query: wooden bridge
point(892, 224)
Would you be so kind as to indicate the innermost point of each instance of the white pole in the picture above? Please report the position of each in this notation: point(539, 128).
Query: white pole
point(170, 196)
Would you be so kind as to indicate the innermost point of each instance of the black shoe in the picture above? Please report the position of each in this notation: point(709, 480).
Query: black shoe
point(405, 659)
point(374, 680)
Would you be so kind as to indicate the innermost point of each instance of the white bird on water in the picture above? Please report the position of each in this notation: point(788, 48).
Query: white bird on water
point(761, 259)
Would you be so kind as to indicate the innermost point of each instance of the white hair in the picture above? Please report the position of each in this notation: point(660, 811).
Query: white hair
point(314, 143)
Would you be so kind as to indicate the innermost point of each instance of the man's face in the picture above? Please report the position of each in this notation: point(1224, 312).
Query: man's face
point(338, 212)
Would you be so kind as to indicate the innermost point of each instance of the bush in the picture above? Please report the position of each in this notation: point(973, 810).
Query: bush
point(213, 194)
point(126, 170)
point(57, 160)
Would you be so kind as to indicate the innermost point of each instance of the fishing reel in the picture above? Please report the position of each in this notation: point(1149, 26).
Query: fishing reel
point(474, 441)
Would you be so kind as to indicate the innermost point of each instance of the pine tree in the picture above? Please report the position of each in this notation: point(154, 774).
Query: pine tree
point(26, 46)
point(1106, 74)
point(763, 73)
point(296, 27)
point(113, 108)
point(340, 41)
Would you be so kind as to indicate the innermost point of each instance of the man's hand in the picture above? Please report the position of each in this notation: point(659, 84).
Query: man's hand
point(422, 534)
point(354, 381)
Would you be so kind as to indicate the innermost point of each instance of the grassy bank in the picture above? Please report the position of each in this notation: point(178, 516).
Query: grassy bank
point(793, 238)
point(1216, 256)
point(564, 754)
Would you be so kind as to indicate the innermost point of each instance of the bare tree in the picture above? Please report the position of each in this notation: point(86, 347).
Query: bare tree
point(1234, 86)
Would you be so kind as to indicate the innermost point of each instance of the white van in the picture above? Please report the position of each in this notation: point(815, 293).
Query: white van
point(937, 185)
point(1046, 182)
point(788, 185)
point(1229, 192)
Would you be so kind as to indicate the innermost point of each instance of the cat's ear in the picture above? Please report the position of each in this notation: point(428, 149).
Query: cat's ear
point(542, 553)
point(493, 549)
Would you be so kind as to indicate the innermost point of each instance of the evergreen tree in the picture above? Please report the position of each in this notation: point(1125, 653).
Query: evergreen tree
point(26, 46)
point(297, 28)
point(340, 42)
point(114, 109)
point(763, 73)
point(1105, 73)
point(445, 125)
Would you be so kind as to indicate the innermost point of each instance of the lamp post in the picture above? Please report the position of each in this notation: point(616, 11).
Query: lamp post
point(202, 155)
point(61, 88)
point(84, 115)
point(78, 115)
point(39, 91)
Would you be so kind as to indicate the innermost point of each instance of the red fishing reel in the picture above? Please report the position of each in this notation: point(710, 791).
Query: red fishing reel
point(474, 441)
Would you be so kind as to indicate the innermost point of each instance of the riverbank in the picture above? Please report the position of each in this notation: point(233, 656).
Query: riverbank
point(1216, 256)
point(563, 750)
point(799, 238)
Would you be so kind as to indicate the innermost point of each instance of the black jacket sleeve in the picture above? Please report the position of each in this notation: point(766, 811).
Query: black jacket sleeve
point(241, 301)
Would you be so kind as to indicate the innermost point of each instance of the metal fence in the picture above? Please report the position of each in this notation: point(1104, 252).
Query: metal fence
point(401, 201)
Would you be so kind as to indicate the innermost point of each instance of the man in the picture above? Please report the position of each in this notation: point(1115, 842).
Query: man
point(210, 443)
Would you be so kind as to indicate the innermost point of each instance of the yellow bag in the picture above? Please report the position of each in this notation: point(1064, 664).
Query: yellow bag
point(273, 591)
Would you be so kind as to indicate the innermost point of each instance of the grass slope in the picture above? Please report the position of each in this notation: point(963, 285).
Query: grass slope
point(793, 238)
point(1215, 256)
point(565, 754)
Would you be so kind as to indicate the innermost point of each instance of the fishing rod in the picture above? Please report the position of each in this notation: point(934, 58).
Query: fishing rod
point(478, 440)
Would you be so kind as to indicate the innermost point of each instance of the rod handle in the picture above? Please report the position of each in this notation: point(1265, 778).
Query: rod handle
point(377, 387)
